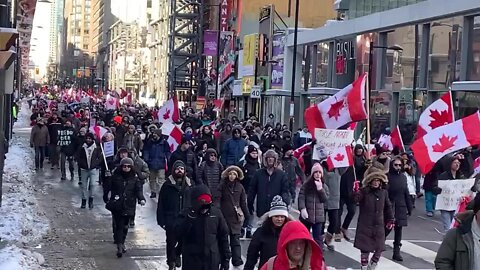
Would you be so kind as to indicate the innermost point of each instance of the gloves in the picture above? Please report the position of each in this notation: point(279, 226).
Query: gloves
point(356, 186)
point(225, 265)
point(319, 185)
point(390, 224)
point(251, 210)
point(142, 202)
point(108, 173)
point(105, 198)
point(304, 213)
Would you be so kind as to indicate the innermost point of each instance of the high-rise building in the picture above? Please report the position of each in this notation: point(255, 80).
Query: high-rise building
point(102, 19)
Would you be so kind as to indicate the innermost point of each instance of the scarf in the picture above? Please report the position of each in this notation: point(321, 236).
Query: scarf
point(89, 152)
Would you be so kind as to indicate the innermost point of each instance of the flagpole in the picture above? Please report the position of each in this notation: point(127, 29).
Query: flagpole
point(367, 104)
point(453, 108)
point(103, 155)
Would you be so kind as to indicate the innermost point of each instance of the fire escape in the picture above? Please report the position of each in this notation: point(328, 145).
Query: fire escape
point(185, 45)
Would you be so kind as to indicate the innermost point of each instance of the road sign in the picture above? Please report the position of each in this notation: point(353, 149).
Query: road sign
point(211, 95)
point(256, 90)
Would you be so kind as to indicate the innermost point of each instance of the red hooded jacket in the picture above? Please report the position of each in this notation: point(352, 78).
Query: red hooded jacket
point(294, 230)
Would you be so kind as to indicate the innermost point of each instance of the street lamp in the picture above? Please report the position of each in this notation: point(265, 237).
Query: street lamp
point(294, 68)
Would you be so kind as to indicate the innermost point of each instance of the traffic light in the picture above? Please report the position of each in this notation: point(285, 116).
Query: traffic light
point(37, 71)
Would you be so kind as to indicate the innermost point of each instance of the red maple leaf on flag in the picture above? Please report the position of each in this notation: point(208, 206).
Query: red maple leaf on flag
point(439, 118)
point(335, 108)
point(444, 143)
point(166, 115)
point(339, 157)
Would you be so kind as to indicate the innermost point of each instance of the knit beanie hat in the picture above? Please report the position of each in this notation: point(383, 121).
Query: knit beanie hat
point(278, 207)
point(122, 150)
point(287, 147)
point(317, 168)
point(126, 161)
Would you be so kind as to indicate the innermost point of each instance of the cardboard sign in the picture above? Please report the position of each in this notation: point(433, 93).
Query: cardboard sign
point(108, 149)
point(329, 140)
point(452, 193)
point(65, 137)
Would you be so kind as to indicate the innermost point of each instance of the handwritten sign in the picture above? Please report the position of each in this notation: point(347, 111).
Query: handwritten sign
point(108, 148)
point(330, 139)
point(452, 193)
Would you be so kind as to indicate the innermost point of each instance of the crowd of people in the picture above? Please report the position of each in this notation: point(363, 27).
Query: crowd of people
point(226, 174)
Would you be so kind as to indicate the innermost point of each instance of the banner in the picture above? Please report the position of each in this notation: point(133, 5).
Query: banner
point(25, 14)
point(452, 193)
point(250, 43)
point(108, 149)
point(278, 50)
point(210, 43)
point(227, 54)
point(330, 139)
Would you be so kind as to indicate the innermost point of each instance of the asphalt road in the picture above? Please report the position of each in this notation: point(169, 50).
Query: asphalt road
point(82, 238)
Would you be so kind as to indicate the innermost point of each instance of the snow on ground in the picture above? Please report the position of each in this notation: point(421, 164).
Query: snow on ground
point(22, 223)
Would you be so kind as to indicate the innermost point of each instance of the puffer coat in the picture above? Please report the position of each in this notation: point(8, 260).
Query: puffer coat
point(126, 186)
point(313, 200)
point(332, 181)
point(232, 194)
point(209, 173)
point(399, 197)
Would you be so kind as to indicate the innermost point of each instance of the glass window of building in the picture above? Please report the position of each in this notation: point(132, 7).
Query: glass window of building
point(322, 64)
point(475, 68)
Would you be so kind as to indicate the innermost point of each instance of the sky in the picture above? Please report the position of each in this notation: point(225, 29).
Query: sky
point(40, 37)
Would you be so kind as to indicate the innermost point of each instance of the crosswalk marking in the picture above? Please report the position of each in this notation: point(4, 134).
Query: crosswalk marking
point(416, 251)
point(160, 263)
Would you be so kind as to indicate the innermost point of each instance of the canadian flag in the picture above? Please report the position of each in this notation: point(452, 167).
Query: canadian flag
point(348, 105)
point(169, 111)
point(174, 134)
point(98, 131)
point(444, 140)
point(438, 114)
point(111, 103)
point(352, 126)
point(393, 140)
point(340, 157)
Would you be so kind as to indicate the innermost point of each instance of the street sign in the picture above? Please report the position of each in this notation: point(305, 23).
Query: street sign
point(211, 95)
point(256, 90)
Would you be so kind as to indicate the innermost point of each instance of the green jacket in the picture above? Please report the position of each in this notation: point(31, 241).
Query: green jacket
point(456, 251)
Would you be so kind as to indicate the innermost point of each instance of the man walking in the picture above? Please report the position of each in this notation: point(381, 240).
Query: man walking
point(156, 152)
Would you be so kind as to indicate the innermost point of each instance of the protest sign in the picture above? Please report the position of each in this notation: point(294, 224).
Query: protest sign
point(452, 193)
point(65, 137)
point(330, 139)
point(108, 148)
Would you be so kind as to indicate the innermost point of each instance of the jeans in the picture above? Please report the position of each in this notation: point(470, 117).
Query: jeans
point(174, 247)
point(88, 182)
point(39, 156)
point(430, 201)
point(351, 209)
point(447, 217)
point(64, 158)
point(120, 228)
point(54, 154)
point(333, 221)
point(156, 178)
point(317, 231)
point(236, 249)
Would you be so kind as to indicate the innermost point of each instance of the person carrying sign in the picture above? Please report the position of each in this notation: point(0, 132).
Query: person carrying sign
point(67, 144)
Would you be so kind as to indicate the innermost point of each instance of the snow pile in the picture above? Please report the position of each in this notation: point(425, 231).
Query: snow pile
point(14, 258)
point(22, 222)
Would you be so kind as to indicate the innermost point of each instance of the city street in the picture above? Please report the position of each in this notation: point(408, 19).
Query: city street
point(82, 238)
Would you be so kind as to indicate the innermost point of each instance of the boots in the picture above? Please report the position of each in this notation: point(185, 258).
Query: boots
point(372, 266)
point(328, 241)
point(171, 266)
point(71, 176)
point(396, 253)
point(84, 203)
point(119, 251)
point(124, 249)
point(363, 267)
point(178, 261)
point(90, 203)
point(338, 237)
point(153, 195)
point(345, 234)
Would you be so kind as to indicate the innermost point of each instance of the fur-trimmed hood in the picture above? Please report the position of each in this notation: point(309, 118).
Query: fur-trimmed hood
point(374, 172)
point(265, 217)
point(232, 168)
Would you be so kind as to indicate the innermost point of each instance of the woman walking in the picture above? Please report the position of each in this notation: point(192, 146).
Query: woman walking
point(125, 189)
point(233, 203)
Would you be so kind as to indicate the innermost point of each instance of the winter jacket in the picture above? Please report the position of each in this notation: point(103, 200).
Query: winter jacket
point(141, 168)
point(189, 159)
point(263, 245)
point(457, 249)
point(332, 181)
point(127, 184)
point(133, 141)
point(156, 154)
point(209, 139)
point(204, 238)
point(375, 211)
point(232, 195)
point(291, 231)
point(313, 200)
point(399, 197)
point(120, 132)
point(292, 168)
point(39, 136)
point(53, 128)
point(209, 173)
point(224, 137)
point(96, 159)
point(264, 187)
point(249, 167)
point(66, 140)
point(172, 199)
point(347, 179)
point(233, 150)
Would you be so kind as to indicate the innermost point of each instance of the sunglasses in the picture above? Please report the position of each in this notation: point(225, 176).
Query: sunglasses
point(397, 165)
point(127, 166)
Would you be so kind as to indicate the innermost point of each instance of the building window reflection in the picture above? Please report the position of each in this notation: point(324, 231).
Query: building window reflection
point(475, 68)
point(322, 64)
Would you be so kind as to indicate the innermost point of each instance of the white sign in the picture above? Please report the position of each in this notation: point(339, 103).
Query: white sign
point(256, 91)
point(329, 140)
point(237, 88)
point(452, 193)
point(85, 100)
point(108, 148)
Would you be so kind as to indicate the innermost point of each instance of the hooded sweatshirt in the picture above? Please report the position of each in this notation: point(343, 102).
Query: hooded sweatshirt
point(313, 258)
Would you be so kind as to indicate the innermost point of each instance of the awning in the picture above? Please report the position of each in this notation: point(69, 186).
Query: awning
point(6, 59)
point(8, 36)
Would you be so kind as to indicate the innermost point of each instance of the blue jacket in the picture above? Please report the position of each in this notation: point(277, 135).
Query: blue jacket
point(233, 151)
point(156, 154)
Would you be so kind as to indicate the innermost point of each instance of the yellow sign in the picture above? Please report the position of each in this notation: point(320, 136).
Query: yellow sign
point(247, 83)
point(250, 45)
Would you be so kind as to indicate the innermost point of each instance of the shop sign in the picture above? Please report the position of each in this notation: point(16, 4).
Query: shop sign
point(344, 51)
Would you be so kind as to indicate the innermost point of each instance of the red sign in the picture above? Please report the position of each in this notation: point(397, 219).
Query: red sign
point(226, 11)
point(340, 65)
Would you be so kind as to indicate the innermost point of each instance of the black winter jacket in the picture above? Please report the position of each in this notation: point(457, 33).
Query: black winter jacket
point(399, 197)
point(265, 186)
point(172, 199)
point(125, 183)
point(95, 162)
point(249, 167)
point(189, 159)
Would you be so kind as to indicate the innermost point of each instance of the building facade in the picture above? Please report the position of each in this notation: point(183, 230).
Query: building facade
point(102, 19)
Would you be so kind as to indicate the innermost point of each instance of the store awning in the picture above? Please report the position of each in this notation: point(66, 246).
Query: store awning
point(6, 59)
